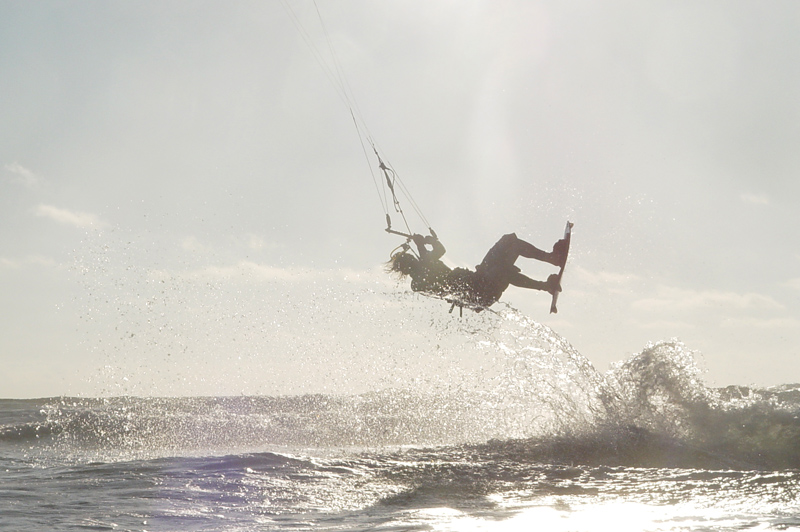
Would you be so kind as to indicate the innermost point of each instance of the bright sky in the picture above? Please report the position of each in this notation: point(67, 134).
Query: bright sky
point(184, 199)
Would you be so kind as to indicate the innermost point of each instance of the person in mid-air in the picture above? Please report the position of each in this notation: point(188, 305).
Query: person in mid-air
point(483, 287)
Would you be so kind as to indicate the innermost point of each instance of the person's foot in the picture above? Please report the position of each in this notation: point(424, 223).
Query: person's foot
point(560, 253)
point(553, 285)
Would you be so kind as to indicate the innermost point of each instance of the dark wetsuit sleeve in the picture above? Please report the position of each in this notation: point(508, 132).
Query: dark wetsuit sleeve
point(435, 253)
point(419, 240)
point(438, 249)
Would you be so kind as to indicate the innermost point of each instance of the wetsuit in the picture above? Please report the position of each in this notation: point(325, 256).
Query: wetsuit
point(491, 277)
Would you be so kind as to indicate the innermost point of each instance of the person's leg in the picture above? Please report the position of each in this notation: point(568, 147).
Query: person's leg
point(529, 251)
point(506, 251)
point(523, 281)
point(555, 257)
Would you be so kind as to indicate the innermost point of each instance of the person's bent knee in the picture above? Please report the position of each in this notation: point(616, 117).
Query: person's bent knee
point(508, 237)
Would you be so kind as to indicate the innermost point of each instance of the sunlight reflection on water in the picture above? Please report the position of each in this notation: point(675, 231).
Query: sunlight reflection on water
point(559, 515)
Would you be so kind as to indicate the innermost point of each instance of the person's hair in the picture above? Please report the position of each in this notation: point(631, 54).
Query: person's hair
point(401, 263)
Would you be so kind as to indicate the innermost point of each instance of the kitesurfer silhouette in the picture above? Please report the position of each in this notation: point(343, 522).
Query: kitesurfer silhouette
point(480, 288)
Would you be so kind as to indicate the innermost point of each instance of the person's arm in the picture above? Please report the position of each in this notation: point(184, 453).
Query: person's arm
point(419, 240)
point(437, 249)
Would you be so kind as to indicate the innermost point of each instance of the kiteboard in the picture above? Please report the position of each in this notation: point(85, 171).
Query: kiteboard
point(567, 235)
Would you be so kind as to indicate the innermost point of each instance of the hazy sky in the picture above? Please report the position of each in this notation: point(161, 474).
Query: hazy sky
point(184, 199)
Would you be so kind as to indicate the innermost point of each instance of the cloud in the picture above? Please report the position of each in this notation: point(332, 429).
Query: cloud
point(258, 271)
point(32, 260)
point(255, 242)
point(793, 283)
point(754, 199)
point(22, 176)
point(67, 217)
point(193, 244)
point(762, 323)
point(667, 325)
point(263, 272)
point(677, 299)
point(249, 241)
point(607, 279)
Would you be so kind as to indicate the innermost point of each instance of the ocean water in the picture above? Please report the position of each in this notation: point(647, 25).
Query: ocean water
point(546, 443)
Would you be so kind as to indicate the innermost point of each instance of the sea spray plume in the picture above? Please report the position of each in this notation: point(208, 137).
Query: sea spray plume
point(660, 413)
point(659, 390)
point(567, 412)
point(545, 384)
point(648, 411)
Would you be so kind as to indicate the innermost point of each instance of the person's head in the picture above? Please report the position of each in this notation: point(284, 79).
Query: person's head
point(402, 263)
